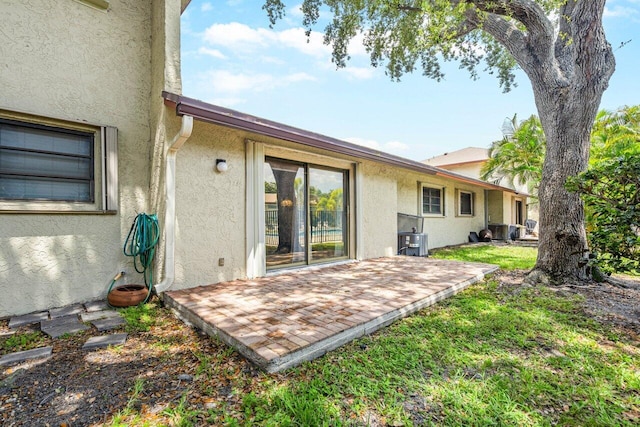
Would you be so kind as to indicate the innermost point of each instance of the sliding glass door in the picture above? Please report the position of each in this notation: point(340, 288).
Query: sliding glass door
point(305, 213)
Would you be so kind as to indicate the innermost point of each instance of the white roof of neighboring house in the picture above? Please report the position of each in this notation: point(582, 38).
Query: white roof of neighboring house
point(465, 155)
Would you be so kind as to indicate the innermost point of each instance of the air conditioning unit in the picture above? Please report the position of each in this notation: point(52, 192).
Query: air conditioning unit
point(499, 231)
point(412, 244)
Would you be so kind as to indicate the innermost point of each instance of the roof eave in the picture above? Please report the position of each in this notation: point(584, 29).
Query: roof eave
point(226, 117)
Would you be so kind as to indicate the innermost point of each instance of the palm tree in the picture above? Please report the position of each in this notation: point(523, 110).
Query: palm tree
point(615, 134)
point(519, 155)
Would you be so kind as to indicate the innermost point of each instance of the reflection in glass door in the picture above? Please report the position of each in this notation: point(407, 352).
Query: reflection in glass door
point(328, 216)
point(285, 213)
point(305, 213)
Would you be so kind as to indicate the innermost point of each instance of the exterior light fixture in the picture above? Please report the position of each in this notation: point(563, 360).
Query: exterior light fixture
point(221, 165)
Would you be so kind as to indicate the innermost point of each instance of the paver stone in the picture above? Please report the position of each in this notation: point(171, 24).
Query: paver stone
point(27, 319)
point(21, 356)
point(104, 341)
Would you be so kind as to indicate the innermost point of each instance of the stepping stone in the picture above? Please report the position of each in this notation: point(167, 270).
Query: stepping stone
point(99, 305)
point(27, 319)
point(65, 311)
point(62, 325)
point(104, 341)
point(21, 356)
point(108, 323)
point(95, 315)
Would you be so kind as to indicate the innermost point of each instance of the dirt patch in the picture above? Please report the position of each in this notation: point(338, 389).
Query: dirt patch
point(616, 302)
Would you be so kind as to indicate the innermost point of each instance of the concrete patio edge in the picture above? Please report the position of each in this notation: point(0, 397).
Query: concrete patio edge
point(318, 348)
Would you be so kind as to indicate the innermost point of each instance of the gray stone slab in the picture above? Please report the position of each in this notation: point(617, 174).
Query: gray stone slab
point(68, 328)
point(108, 323)
point(21, 356)
point(28, 319)
point(104, 341)
point(54, 313)
point(60, 321)
point(99, 305)
point(95, 315)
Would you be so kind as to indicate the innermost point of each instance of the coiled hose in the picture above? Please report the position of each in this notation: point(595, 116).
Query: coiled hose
point(141, 245)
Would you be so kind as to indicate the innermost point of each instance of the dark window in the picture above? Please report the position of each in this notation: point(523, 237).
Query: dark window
point(466, 203)
point(40, 162)
point(431, 200)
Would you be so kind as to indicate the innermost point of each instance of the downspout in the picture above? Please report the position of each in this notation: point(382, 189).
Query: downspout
point(170, 210)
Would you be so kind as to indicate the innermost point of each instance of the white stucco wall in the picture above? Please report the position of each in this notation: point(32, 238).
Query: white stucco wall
point(66, 60)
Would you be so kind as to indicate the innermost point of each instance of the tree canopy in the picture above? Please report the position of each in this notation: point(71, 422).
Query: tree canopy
point(559, 44)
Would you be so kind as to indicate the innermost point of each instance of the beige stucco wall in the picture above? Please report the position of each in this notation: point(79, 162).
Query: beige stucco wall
point(66, 60)
point(496, 207)
point(471, 170)
point(379, 210)
point(212, 210)
point(449, 229)
point(210, 207)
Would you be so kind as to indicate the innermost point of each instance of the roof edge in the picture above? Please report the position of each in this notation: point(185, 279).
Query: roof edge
point(210, 113)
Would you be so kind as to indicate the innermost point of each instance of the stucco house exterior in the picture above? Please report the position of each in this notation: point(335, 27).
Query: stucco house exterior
point(504, 208)
point(94, 129)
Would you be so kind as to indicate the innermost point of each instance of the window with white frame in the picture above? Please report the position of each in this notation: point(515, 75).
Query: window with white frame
point(55, 165)
point(465, 203)
point(432, 200)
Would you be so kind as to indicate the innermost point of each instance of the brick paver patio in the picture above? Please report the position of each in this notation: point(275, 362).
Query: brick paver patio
point(282, 320)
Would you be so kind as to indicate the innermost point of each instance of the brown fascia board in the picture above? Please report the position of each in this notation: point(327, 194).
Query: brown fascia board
point(226, 117)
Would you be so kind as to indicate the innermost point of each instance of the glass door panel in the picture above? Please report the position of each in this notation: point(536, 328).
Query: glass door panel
point(327, 213)
point(285, 213)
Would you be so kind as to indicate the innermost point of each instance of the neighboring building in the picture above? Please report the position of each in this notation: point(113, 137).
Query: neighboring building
point(94, 130)
point(504, 209)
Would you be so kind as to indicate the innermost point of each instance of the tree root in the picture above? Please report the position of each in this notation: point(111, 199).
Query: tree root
point(539, 277)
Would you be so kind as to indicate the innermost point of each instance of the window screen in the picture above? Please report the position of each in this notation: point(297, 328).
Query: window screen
point(40, 162)
point(431, 200)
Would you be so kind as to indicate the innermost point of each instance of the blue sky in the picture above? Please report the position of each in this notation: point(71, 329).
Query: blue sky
point(231, 58)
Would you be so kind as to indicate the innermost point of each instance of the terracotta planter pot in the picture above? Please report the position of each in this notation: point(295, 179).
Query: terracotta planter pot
point(127, 295)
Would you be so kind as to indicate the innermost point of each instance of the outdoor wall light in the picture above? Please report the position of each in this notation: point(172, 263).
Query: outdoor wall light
point(221, 165)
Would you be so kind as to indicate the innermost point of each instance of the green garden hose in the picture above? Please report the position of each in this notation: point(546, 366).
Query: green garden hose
point(141, 245)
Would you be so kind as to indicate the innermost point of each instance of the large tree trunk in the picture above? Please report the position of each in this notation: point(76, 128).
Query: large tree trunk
point(568, 76)
point(567, 120)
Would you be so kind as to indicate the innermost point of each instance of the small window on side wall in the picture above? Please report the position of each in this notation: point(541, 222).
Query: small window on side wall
point(432, 200)
point(465, 203)
point(50, 166)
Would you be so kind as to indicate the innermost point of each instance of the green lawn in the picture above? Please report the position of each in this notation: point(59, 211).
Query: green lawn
point(490, 356)
point(484, 357)
point(507, 257)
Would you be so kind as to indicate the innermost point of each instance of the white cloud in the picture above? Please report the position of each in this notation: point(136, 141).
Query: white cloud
point(393, 147)
point(296, 12)
point(296, 38)
point(211, 52)
point(623, 9)
point(206, 7)
point(237, 36)
point(359, 73)
point(299, 77)
point(226, 82)
point(620, 11)
point(241, 37)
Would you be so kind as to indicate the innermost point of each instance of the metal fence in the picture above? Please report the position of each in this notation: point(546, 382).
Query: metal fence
point(326, 226)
